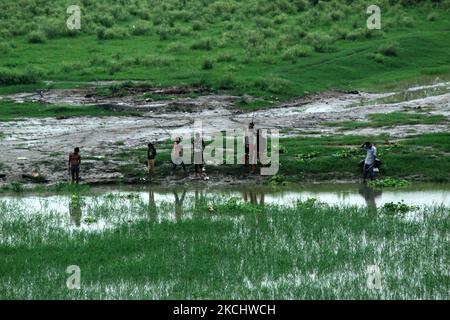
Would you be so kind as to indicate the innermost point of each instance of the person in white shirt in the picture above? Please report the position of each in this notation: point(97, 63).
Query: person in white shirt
point(369, 162)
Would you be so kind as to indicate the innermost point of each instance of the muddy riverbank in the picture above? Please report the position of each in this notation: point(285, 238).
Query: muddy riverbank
point(41, 145)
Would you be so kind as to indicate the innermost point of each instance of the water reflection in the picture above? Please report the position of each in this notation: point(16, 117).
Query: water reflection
point(179, 204)
point(75, 209)
point(152, 208)
point(252, 197)
point(370, 195)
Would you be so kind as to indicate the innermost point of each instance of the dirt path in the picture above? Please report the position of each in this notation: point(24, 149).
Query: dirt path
point(43, 144)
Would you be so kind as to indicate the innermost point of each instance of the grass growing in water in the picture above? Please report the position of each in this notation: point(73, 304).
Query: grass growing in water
point(221, 249)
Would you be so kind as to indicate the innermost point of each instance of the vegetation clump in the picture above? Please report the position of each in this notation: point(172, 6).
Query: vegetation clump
point(389, 183)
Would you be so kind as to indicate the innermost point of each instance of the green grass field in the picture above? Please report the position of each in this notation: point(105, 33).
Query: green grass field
point(267, 48)
point(390, 119)
point(420, 157)
point(11, 111)
point(238, 251)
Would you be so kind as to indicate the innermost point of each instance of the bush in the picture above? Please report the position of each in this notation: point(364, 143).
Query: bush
point(407, 21)
point(197, 25)
point(140, 28)
point(295, 52)
point(388, 50)
point(226, 57)
point(432, 16)
point(336, 15)
point(321, 42)
point(101, 33)
point(378, 57)
point(12, 77)
point(274, 85)
point(227, 82)
point(208, 64)
point(156, 61)
point(105, 20)
point(204, 44)
point(116, 33)
point(5, 47)
point(177, 47)
point(36, 36)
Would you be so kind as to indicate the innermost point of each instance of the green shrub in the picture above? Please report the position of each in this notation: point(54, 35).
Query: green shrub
point(197, 25)
point(207, 64)
point(101, 33)
point(432, 16)
point(204, 44)
point(116, 33)
point(226, 57)
point(274, 85)
point(227, 82)
point(105, 20)
point(389, 183)
point(36, 36)
point(140, 28)
point(388, 49)
point(321, 42)
point(13, 77)
point(5, 47)
point(295, 52)
point(177, 47)
point(156, 61)
point(378, 57)
point(407, 21)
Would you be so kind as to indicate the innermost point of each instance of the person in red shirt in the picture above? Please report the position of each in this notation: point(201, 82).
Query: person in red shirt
point(74, 164)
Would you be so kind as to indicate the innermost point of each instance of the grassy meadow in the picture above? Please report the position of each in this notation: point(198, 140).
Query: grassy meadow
point(418, 157)
point(271, 49)
point(217, 248)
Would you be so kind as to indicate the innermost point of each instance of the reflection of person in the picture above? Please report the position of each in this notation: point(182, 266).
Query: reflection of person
point(253, 197)
point(199, 197)
point(370, 194)
point(179, 204)
point(151, 203)
point(75, 210)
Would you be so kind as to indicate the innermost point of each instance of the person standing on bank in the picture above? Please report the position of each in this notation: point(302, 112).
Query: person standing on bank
point(151, 155)
point(199, 147)
point(74, 164)
point(177, 156)
point(369, 162)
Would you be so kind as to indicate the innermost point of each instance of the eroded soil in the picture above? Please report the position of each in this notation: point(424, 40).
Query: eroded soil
point(42, 144)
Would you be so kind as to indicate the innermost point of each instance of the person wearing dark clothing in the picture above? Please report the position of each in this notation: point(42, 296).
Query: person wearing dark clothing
point(151, 155)
point(74, 164)
point(199, 147)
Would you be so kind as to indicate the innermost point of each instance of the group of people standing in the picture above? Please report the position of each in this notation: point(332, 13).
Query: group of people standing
point(255, 145)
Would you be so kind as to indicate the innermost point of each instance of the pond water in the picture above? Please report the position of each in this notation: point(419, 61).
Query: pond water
point(337, 194)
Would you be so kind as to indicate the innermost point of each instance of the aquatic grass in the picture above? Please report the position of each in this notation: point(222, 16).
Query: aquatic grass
point(238, 251)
